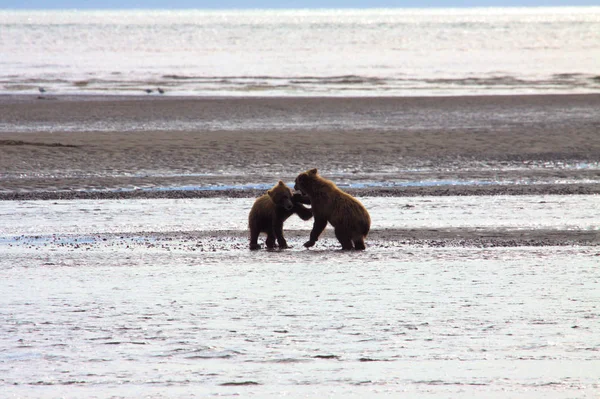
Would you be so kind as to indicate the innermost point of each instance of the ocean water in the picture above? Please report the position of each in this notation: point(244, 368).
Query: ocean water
point(110, 299)
point(308, 52)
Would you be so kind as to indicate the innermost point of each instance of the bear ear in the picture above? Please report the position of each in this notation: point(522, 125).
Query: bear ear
point(281, 183)
point(313, 171)
point(270, 192)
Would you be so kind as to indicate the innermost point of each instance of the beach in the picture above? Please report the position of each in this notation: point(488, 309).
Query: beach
point(513, 144)
point(470, 296)
point(100, 147)
point(125, 267)
point(133, 143)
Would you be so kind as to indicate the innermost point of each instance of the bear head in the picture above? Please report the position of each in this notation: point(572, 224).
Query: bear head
point(281, 195)
point(304, 180)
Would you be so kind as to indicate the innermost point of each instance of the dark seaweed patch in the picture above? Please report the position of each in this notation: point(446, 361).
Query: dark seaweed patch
point(241, 383)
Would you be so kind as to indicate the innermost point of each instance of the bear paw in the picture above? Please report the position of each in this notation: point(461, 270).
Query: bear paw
point(299, 198)
point(309, 244)
point(254, 247)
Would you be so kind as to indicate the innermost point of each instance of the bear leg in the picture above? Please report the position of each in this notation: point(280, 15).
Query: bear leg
point(318, 227)
point(344, 239)
point(278, 229)
point(303, 212)
point(254, 245)
point(270, 240)
point(359, 243)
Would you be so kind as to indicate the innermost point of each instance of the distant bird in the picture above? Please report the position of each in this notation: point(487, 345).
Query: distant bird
point(161, 91)
point(42, 91)
point(148, 91)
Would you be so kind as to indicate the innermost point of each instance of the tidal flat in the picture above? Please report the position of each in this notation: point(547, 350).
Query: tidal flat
point(490, 296)
point(125, 269)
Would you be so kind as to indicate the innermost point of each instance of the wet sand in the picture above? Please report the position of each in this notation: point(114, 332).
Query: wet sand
point(65, 144)
point(168, 322)
point(225, 241)
point(462, 292)
point(220, 224)
point(125, 147)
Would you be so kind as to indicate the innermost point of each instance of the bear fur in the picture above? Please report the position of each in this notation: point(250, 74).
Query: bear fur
point(270, 211)
point(346, 214)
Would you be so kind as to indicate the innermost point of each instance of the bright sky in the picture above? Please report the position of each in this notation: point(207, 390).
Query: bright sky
point(216, 4)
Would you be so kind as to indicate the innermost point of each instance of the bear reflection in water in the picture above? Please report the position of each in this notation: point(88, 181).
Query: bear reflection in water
point(346, 214)
point(270, 211)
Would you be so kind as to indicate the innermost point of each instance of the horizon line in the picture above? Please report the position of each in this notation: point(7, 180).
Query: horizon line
point(408, 7)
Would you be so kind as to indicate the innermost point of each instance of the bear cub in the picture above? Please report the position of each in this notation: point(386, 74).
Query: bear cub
point(270, 211)
point(346, 214)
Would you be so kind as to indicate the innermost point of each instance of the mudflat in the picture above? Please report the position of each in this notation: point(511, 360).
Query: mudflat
point(80, 147)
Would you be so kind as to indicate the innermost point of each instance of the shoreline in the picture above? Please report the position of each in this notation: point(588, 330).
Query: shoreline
point(17, 97)
point(386, 239)
point(447, 190)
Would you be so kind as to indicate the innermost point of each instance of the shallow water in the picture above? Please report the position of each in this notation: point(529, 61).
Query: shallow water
point(109, 316)
point(208, 214)
point(431, 322)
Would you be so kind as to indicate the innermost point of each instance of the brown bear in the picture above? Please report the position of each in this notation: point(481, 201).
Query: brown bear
point(346, 214)
point(270, 211)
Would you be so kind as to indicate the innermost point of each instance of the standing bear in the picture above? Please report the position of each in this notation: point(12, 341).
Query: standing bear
point(270, 211)
point(346, 214)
